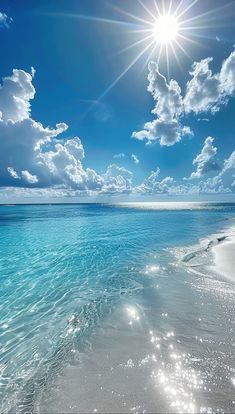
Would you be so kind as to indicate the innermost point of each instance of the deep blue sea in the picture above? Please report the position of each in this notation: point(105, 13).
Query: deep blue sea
point(99, 311)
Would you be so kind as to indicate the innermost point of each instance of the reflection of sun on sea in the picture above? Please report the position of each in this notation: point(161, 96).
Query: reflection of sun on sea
point(173, 374)
point(152, 269)
point(133, 315)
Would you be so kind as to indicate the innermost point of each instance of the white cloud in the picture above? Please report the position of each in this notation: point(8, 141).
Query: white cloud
point(221, 183)
point(25, 175)
point(30, 178)
point(169, 109)
point(152, 184)
point(13, 173)
point(35, 158)
point(32, 155)
point(117, 180)
point(21, 144)
point(15, 95)
point(207, 91)
point(203, 119)
point(203, 90)
point(135, 158)
point(229, 163)
point(120, 155)
point(29, 151)
point(210, 186)
point(227, 173)
point(214, 185)
point(64, 164)
point(4, 20)
point(205, 161)
point(227, 75)
point(35, 193)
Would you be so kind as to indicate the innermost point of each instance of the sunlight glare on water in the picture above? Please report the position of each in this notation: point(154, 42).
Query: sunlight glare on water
point(96, 300)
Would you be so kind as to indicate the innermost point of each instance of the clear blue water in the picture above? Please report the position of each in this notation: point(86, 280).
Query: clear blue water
point(101, 283)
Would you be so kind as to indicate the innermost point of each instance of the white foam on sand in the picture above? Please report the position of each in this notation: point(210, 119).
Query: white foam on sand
point(224, 256)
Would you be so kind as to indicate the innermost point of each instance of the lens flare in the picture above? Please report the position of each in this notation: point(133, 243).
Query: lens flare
point(161, 30)
point(166, 29)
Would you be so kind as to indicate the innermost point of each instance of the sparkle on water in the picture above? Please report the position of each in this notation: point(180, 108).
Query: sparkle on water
point(97, 299)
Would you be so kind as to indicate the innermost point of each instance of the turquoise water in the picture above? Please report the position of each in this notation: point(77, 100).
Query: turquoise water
point(99, 312)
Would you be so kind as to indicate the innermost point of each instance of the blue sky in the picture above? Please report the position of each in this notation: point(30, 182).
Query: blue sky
point(76, 50)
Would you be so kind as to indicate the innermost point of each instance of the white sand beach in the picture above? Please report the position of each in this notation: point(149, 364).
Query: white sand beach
point(225, 257)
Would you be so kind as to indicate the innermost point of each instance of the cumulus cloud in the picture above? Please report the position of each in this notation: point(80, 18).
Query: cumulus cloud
point(221, 183)
point(167, 127)
point(214, 185)
point(64, 163)
point(205, 162)
point(206, 91)
point(16, 92)
point(227, 75)
point(229, 163)
point(117, 180)
point(5, 21)
point(203, 90)
point(21, 144)
point(227, 173)
point(30, 178)
point(153, 185)
point(34, 157)
point(30, 154)
point(25, 175)
point(135, 158)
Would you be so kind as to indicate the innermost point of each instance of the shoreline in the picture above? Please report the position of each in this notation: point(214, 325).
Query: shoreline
point(224, 256)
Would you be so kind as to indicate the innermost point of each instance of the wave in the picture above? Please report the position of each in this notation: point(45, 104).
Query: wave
point(191, 255)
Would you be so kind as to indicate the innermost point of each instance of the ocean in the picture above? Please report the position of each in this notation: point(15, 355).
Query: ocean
point(115, 309)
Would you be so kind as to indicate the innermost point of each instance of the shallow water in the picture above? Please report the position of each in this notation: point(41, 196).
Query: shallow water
point(99, 311)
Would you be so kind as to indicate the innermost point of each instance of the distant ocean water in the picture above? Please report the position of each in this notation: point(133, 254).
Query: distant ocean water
point(103, 310)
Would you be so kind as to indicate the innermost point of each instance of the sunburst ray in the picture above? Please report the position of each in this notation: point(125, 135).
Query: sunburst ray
point(163, 31)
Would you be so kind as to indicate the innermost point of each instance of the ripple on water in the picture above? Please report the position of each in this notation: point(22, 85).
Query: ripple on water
point(83, 281)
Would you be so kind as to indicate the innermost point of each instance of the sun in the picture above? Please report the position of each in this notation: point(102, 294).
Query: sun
point(160, 30)
point(165, 29)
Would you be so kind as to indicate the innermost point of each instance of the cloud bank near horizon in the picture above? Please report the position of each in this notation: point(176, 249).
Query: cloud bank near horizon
point(37, 159)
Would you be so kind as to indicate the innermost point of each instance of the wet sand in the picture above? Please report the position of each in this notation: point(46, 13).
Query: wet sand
point(224, 256)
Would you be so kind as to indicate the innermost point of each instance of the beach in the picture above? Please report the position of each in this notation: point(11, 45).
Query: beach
point(112, 308)
point(225, 256)
point(117, 207)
